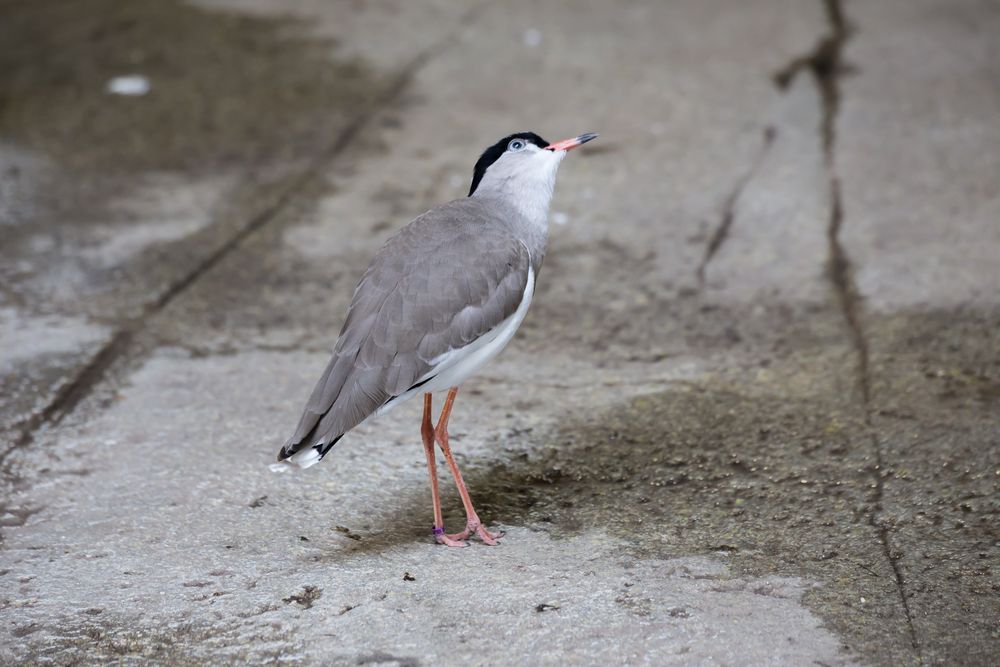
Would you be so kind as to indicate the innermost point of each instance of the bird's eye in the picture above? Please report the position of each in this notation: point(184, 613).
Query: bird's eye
point(515, 145)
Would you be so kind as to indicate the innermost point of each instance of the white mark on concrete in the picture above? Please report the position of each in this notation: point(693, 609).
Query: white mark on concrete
point(133, 85)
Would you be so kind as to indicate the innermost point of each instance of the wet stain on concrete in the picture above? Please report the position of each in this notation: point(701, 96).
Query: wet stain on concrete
point(778, 483)
point(771, 484)
point(696, 469)
point(224, 88)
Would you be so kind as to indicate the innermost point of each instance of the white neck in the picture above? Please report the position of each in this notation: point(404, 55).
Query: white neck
point(525, 183)
point(531, 202)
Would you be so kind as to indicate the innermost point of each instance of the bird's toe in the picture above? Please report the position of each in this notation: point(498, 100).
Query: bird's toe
point(451, 541)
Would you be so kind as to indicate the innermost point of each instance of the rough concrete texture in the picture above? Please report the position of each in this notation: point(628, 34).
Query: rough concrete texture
point(752, 418)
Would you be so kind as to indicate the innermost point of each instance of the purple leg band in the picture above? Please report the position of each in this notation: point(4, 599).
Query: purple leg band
point(438, 531)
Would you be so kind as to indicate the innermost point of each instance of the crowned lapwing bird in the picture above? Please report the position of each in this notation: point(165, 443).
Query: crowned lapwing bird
point(440, 299)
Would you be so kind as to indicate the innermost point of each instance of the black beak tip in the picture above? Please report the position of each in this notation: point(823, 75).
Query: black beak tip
point(588, 136)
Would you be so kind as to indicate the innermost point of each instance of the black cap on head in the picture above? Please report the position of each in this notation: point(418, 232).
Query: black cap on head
point(493, 153)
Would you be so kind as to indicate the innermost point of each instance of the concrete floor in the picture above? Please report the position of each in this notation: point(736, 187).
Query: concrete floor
point(752, 417)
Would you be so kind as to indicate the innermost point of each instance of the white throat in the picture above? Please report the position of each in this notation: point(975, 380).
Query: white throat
point(525, 183)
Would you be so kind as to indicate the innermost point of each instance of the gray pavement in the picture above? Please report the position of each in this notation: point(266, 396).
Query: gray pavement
point(751, 419)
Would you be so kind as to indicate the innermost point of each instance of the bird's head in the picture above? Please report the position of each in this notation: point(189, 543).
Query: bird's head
point(522, 162)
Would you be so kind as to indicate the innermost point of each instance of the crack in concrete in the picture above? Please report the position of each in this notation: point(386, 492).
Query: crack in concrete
point(841, 275)
point(96, 369)
point(721, 232)
point(71, 393)
point(825, 64)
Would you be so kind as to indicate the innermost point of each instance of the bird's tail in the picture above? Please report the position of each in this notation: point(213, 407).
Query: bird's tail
point(303, 457)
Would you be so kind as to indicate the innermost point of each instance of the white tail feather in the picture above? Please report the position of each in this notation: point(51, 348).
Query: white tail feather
point(303, 459)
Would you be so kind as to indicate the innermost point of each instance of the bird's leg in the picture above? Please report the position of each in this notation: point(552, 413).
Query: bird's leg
point(473, 525)
point(427, 431)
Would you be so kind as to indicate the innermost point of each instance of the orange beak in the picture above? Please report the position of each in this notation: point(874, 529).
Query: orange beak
point(570, 144)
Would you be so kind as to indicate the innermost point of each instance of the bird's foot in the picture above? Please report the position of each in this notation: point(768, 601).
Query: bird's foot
point(448, 540)
point(477, 528)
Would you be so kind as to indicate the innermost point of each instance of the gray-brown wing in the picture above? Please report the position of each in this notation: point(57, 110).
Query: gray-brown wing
point(447, 278)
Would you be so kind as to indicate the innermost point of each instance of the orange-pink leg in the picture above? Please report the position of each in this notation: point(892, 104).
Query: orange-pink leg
point(427, 431)
point(472, 525)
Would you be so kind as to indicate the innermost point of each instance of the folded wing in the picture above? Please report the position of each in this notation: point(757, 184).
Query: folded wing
point(449, 277)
